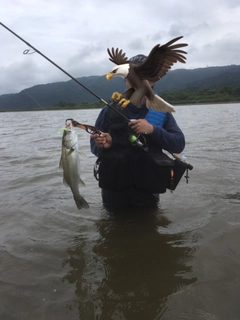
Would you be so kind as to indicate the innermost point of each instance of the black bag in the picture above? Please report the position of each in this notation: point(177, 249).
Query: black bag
point(180, 168)
point(113, 170)
point(152, 172)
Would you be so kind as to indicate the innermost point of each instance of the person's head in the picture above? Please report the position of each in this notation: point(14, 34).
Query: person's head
point(140, 58)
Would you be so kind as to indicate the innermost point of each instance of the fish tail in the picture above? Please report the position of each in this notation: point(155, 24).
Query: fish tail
point(81, 202)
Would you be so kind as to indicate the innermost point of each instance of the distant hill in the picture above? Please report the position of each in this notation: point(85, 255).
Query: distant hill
point(51, 94)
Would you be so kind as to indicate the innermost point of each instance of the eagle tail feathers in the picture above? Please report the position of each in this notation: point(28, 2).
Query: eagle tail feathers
point(159, 104)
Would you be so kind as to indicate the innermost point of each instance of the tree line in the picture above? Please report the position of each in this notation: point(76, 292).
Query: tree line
point(203, 95)
point(62, 105)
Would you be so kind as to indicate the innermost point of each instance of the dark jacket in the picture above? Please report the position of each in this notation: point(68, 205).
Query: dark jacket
point(169, 137)
point(134, 175)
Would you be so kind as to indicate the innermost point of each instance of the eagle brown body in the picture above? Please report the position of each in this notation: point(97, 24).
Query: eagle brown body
point(138, 76)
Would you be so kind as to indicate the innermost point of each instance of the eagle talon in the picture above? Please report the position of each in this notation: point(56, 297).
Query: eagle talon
point(116, 96)
point(124, 102)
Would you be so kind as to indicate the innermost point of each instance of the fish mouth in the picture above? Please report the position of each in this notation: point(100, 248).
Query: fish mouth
point(67, 129)
point(68, 125)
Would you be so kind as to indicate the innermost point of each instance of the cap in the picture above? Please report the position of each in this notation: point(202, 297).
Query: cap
point(140, 58)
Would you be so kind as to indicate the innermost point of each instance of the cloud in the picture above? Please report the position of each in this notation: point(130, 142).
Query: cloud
point(75, 34)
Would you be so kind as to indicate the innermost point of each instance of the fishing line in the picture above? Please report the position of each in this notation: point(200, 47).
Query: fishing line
point(68, 74)
point(27, 52)
point(83, 97)
point(52, 62)
point(34, 99)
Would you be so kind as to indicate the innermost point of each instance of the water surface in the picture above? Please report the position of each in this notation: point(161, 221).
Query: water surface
point(179, 261)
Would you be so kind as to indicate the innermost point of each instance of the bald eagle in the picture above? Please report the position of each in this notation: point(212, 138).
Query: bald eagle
point(137, 76)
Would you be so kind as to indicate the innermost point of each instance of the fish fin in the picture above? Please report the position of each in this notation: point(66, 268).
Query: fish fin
point(60, 163)
point(82, 153)
point(82, 182)
point(81, 202)
point(65, 182)
point(70, 151)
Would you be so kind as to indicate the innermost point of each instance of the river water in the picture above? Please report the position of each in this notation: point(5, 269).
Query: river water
point(179, 261)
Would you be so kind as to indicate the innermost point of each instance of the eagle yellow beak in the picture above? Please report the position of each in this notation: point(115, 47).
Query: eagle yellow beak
point(109, 75)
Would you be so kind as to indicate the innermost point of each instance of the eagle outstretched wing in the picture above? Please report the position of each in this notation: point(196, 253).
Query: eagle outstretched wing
point(156, 65)
point(117, 57)
point(160, 60)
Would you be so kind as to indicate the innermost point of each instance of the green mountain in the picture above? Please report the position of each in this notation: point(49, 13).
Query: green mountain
point(52, 94)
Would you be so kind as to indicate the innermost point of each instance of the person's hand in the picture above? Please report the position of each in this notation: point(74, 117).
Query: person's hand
point(141, 126)
point(104, 140)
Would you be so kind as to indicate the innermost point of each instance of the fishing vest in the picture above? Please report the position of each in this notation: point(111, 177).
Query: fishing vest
point(124, 166)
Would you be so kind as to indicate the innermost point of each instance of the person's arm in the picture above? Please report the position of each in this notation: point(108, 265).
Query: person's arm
point(170, 137)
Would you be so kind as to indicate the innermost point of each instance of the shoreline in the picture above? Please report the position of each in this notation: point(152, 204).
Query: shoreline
point(64, 109)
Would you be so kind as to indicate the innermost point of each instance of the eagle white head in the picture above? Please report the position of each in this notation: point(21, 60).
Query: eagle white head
point(121, 70)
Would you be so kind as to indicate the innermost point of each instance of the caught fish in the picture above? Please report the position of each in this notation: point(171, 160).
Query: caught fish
point(70, 163)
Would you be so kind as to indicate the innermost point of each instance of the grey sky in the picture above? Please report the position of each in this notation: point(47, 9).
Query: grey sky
point(76, 35)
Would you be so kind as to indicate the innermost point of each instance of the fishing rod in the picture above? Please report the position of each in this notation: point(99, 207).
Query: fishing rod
point(68, 74)
point(135, 140)
point(93, 130)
